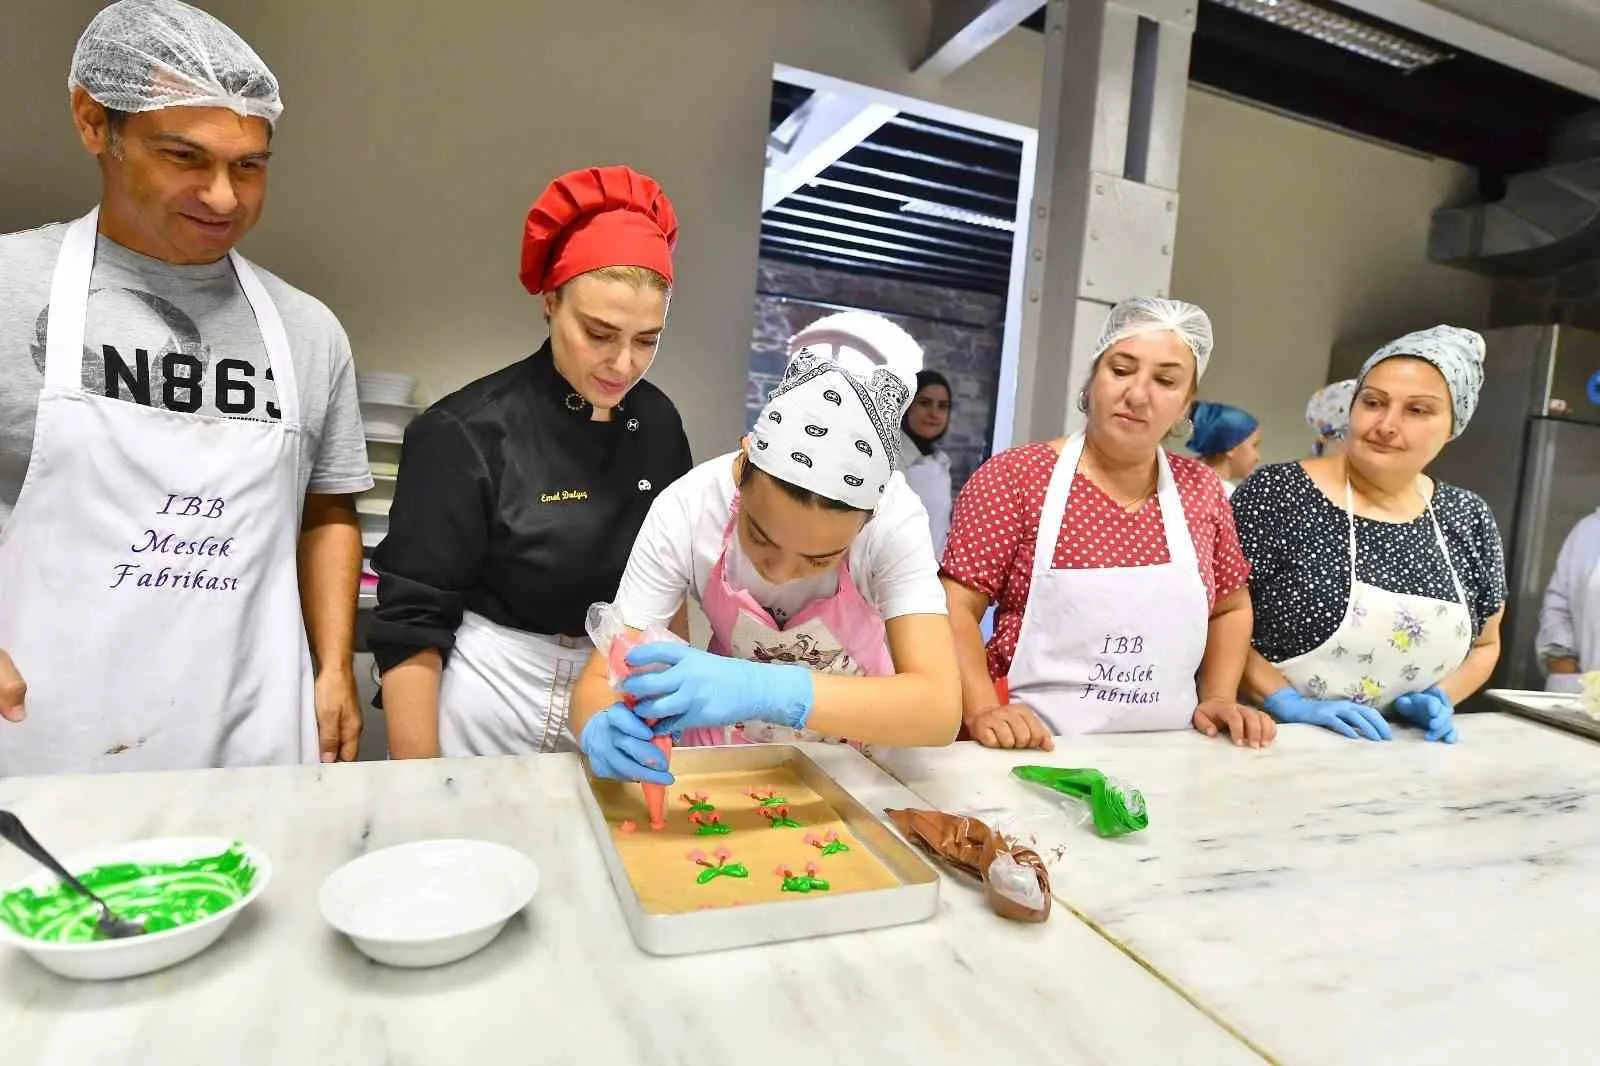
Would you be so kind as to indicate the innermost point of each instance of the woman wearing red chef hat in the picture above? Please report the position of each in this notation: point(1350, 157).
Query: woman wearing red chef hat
point(520, 495)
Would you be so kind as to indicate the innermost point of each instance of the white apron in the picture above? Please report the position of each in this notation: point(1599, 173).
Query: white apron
point(506, 691)
point(148, 585)
point(1587, 631)
point(1389, 643)
point(1115, 649)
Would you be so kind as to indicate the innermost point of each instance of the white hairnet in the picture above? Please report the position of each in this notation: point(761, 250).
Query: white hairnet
point(1153, 314)
point(143, 55)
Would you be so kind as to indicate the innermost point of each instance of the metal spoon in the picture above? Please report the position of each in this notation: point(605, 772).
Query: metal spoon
point(109, 925)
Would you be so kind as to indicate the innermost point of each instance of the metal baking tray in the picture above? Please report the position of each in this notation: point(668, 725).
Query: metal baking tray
point(914, 899)
point(1559, 710)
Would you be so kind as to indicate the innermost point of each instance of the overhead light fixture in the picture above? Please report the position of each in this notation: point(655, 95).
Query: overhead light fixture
point(957, 214)
point(1341, 31)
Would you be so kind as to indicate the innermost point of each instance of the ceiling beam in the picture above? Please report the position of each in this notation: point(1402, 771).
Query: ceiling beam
point(814, 137)
point(961, 29)
point(1437, 21)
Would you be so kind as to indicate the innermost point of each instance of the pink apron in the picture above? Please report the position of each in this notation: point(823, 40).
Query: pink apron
point(842, 634)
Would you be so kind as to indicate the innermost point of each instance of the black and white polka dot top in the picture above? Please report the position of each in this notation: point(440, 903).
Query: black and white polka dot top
point(1298, 544)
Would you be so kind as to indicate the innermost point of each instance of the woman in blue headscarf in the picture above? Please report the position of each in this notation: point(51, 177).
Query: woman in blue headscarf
point(1227, 439)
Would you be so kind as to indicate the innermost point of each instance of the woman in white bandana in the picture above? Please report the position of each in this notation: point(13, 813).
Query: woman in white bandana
point(1376, 588)
point(811, 559)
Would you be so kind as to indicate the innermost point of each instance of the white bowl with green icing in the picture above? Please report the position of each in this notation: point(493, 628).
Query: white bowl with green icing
point(429, 902)
point(188, 890)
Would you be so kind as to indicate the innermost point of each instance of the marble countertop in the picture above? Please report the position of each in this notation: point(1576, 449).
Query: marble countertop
point(1337, 901)
point(564, 982)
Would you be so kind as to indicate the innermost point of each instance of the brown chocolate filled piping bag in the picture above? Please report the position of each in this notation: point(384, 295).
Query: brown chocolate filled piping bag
point(972, 847)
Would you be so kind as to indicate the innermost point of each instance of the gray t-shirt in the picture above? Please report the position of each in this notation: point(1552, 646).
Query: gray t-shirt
point(180, 338)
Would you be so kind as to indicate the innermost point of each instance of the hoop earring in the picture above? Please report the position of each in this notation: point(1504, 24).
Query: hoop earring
point(1182, 429)
point(1083, 401)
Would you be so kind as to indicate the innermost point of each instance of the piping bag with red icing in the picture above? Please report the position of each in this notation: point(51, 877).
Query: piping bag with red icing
point(605, 628)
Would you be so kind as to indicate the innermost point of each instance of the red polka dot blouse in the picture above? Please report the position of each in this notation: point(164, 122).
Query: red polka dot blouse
point(996, 523)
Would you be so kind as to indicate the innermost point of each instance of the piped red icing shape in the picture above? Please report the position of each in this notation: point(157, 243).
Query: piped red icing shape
point(628, 825)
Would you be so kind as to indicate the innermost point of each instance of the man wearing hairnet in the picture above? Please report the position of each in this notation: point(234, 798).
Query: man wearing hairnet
point(179, 438)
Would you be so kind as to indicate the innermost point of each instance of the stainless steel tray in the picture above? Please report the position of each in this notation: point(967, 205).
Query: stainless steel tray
point(915, 897)
point(1557, 709)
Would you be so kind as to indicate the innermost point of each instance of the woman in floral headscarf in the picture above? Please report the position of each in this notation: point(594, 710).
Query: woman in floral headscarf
point(1376, 588)
point(1328, 412)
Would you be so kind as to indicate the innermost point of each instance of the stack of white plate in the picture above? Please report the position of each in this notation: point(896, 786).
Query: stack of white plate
point(385, 402)
point(383, 387)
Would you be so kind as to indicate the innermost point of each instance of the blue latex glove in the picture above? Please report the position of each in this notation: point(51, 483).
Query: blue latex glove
point(1346, 717)
point(699, 689)
point(1432, 710)
point(617, 743)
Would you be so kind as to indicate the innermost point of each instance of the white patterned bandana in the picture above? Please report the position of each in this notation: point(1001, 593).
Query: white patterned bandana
point(1455, 352)
point(1328, 411)
point(827, 430)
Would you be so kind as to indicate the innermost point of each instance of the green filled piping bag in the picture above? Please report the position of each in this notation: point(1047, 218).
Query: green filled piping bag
point(1117, 808)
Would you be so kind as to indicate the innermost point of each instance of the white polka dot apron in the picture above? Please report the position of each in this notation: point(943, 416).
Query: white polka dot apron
point(1113, 649)
point(1389, 643)
point(151, 598)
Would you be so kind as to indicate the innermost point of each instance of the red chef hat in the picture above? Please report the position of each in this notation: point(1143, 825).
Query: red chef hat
point(599, 217)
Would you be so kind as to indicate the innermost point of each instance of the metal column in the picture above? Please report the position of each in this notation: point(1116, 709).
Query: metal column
point(1104, 213)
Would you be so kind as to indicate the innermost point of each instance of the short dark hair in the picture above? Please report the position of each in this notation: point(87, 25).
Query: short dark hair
point(796, 493)
point(116, 120)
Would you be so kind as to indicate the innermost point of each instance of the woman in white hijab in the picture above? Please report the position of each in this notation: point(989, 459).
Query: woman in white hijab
point(1377, 588)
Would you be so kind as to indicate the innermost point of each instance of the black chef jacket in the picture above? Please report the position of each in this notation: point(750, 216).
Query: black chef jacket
point(514, 504)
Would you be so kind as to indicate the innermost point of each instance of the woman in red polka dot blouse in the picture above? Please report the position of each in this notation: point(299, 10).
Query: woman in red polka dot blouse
point(1133, 613)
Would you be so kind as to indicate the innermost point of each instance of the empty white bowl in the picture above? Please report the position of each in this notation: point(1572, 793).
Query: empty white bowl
point(430, 902)
point(104, 960)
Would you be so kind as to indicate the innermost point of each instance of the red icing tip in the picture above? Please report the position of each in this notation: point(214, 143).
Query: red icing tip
point(628, 825)
point(697, 855)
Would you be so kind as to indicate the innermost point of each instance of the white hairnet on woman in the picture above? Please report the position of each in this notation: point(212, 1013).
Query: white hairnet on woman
point(1144, 315)
point(144, 55)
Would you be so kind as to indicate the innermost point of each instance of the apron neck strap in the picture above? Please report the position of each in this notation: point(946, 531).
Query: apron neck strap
point(1438, 536)
point(1180, 546)
point(69, 313)
point(69, 304)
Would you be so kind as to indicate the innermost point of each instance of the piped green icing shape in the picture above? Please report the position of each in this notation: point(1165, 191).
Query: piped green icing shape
point(165, 895)
point(834, 847)
point(804, 883)
point(771, 801)
point(711, 829)
point(711, 873)
point(785, 822)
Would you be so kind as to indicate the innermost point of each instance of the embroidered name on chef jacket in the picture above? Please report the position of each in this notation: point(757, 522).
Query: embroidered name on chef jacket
point(563, 496)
